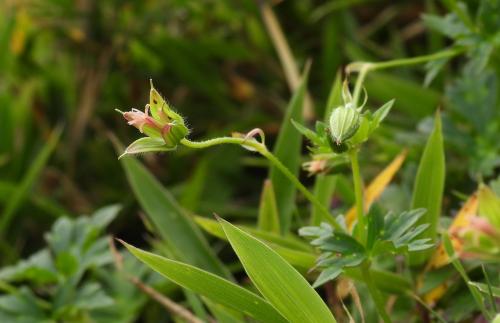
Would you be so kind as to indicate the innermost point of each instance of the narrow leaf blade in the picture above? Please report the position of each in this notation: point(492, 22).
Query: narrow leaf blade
point(287, 149)
point(172, 223)
point(277, 280)
point(268, 210)
point(209, 285)
point(428, 189)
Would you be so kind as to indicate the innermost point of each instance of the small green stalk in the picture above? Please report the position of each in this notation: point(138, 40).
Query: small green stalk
point(374, 292)
point(362, 235)
point(261, 149)
point(358, 194)
point(365, 67)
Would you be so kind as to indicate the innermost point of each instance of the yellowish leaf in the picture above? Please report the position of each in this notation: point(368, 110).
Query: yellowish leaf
point(462, 220)
point(377, 186)
point(440, 257)
point(18, 37)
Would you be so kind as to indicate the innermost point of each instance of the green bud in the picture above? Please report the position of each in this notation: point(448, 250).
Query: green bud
point(344, 122)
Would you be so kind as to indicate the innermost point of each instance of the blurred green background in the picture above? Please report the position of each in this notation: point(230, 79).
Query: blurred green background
point(65, 65)
point(69, 64)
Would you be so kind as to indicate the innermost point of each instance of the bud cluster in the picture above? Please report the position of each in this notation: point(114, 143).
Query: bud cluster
point(158, 121)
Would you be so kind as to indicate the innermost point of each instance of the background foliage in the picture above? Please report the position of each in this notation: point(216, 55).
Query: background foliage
point(66, 65)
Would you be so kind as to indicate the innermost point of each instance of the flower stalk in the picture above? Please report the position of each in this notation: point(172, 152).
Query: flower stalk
point(260, 148)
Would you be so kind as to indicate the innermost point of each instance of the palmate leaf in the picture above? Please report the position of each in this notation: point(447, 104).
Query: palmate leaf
point(339, 251)
point(398, 233)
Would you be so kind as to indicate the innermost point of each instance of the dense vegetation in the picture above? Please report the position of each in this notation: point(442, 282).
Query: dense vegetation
point(307, 161)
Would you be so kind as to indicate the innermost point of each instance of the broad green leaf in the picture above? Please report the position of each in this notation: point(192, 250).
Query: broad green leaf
point(209, 285)
point(29, 179)
point(277, 280)
point(428, 188)
point(287, 149)
point(268, 210)
point(174, 226)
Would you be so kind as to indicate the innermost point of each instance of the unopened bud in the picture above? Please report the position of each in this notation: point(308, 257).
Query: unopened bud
point(344, 122)
point(163, 123)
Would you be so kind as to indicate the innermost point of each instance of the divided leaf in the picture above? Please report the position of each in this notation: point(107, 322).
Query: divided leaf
point(339, 251)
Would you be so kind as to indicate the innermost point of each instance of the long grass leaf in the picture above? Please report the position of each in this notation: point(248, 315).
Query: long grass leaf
point(287, 149)
point(209, 285)
point(171, 222)
point(428, 189)
point(277, 280)
point(29, 179)
point(268, 219)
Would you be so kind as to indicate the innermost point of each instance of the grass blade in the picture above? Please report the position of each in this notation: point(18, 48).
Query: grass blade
point(214, 228)
point(428, 189)
point(287, 149)
point(209, 285)
point(29, 180)
point(268, 210)
point(277, 280)
point(412, 98)
point(171, 222)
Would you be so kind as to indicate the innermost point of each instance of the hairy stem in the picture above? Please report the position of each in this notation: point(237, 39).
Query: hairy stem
point(261, 149)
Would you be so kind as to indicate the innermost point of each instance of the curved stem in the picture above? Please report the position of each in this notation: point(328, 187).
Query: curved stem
point(218, 141)
point(359, 82)
point(261, 149)
point(417, 60)
point(358, 194)
point(365, 67)
point(374, 292)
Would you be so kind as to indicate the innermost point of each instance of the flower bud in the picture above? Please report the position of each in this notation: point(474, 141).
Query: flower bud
point(344, 122)
point(163, 123)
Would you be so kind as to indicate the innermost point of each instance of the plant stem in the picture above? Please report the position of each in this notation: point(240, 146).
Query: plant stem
point(358, 194)
point(261, 149)
point(359, 82)
point(365, 67)
point(374, 292)
point(417, 60)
